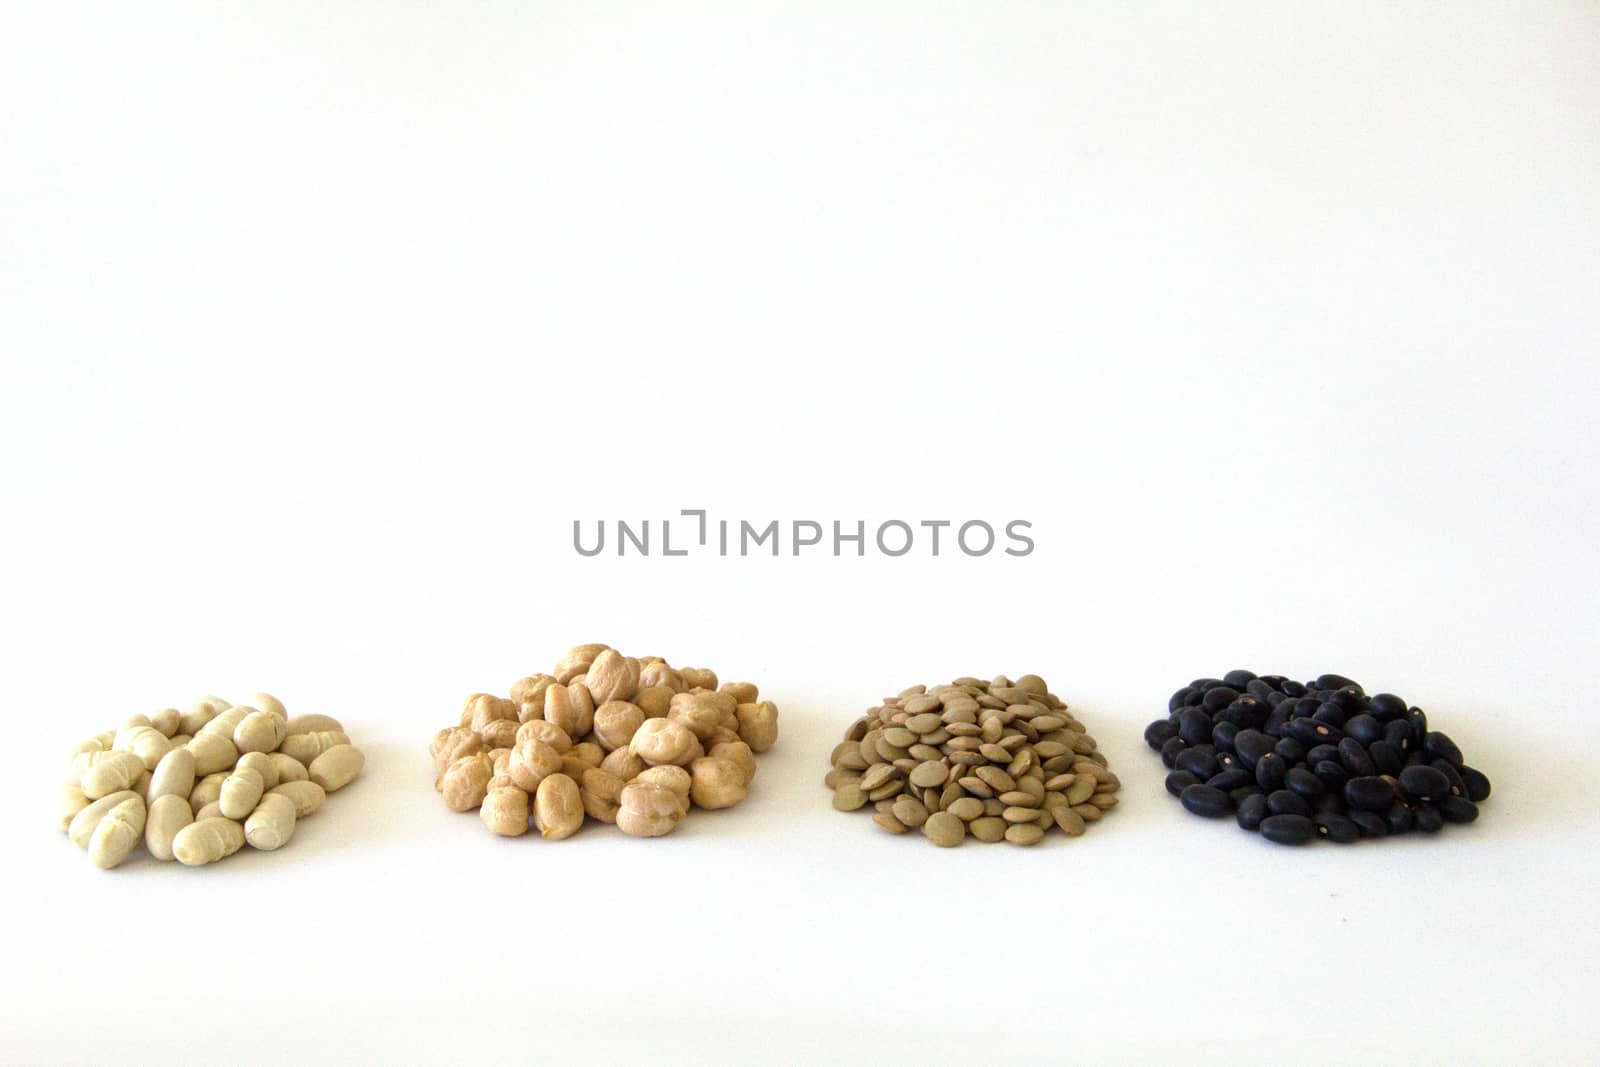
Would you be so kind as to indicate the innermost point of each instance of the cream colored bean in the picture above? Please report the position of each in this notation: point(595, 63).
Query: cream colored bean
point(133, 722)
point(260, 731)
point(268, 702)
point(181, 740)
point(311, 724)
point(207, 790)
point(213, 752)
point(289, 769)
point(146, 742)
point(116, 834)
point(110, 772)
point(81, 829)
point(173, 776)
point(73, 800)
point(97, 743)
point(307, 747)
point(271, 825)
point(241, 792)
point(212, 810)
point(168, 814)
point(262, 764)
point(227, 721)
point(306, 795)
point(166, 720)
point(338, 767)
point(195, 718)
point(207, 840)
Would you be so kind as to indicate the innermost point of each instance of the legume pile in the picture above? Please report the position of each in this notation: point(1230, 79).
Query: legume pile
point(197, 785)
point(635, 742)
point(999, 760)
point(1317, 759)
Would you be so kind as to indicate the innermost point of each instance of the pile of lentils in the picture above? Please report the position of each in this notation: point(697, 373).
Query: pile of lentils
point(1316, 759)
point(995, 760)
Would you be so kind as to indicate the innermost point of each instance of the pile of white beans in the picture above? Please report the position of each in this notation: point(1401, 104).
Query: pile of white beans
point(195, 786)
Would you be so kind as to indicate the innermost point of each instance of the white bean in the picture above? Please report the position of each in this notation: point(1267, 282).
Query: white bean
point(110, 772)
point(310, 724)
point(81, 829)
point(207, 790)
point(337, 767)
point(307, 796)
point(262, 765)
point(168, 815)
point(289, 769)
point(272, 823)
point(241, 792)
point(166, 720)
point(116, 834)
point(173, 776)
point(207, 840)
point(73, 800)
point(307, 747)
point(213, 752)
point(268, 702)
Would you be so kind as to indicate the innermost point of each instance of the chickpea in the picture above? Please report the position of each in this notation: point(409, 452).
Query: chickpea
point(548, 732)
point(758, 725)
point(612, 676)
point(450, 744)
point(615, 722)
point(505, 811)
point(648, 810)
point(655, 701)
point(696, 678)
point(487, 709)
point(674, 778)
point(697, 711)
point(742, 692)
point(716, 783)
point(466, 781)
point(577, 661)
point(738, 753)
point(570, 707)
point(658, 675)
point(529, 693)
point(531, 761)
point(501, 733)
point(558, 807)
point(659, 741)
point(590, 753)
point(624, 764)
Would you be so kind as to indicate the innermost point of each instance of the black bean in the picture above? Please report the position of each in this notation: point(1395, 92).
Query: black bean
point(1271, 770)
point(1350, 699)
point(1251, 811)
point(1195, 698)
point(1178, 781)
point(1370, 793)
point(1458, 785)
point(1332, 775)
point(1304, 782)
point(1194, 726)
point(1322, 754)
point(1276, 722)
point(1238, 795)
point(1219, 698)
point(1457, 809)
point(1290, 749)
point(1261, 689)
point(1332, 714)
point(1283, 802)
point(1333, 681)
point(1159, 733)
point(1229, 780)
point(1290, 706)
point(1251, 745)
point(1387, 706)
point(1222, 735)
point(1239, 679)
point(1371, 823)
point(1200, 762)
point(1428, 819)
point(1355, 758)
point(1178, 698)
point(1170, 750)
point(1399, 818)
point(1424, 783)
point(1386, 758)
point(1203, 684)
point(1400, 735)
point(1336, 828)
point(1439, 746)
point(1287, 829)
point(1477, 784)
point(1203, 800)
point(1419, 722)
point(1294, 689)
point(1313, 732)
point(1363, 729)
point(1246, 712)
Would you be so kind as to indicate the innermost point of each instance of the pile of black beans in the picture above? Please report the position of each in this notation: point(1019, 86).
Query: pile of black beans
point(1316, 759)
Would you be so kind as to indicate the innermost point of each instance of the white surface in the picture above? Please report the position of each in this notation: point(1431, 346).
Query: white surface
point(320, 328)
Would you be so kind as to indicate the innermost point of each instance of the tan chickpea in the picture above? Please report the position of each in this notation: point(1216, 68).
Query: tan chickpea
point(558, 807)
point(528, 695)
point(271, 825)
point(623, 763)
point(569, 707)
point(612, 676)
point(173, 776)
point(758, 725)
point(741, 692)
point(738, 753)
point(260, 731)
point(674, 778)
point(487, 709)
point(450, 744)
point(573, 767)
point(531, 762)
point(207, 840)
point(548, 732)
point(501, 733)
point(466, 781)
point(590, 753)
point(698, 711)
point(577, 661)
point(659, 741)
point(167, 815)
point(655, 701)
point(716, 783)
point(117, 833)
point(212, 752)
point(697, 678)
point(648, 810)
point(505, 811)
point(469, 708)
point(289, 769)
point(110, 772)
point(241, 791)
point(659, 675)
point(615, 722)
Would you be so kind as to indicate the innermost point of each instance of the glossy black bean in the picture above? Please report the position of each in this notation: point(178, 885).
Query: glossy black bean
point(1355, 758)
point(1387, 706)
point(1251, 745)
point(1219, 698)
point(1399, 818)
point(1370, 793)
point(1419, 722)
point(1229, 780)
point(1287, 829)
point(1238, 795)
point(1370, 822)
point(1386, 758)
point(1203, 800)
point(1457, 809)
point(1336, 828)
point(1477, 784)
point(1251, 811)
point(1427, 817)
point(1222, 735)
point(1363, 729)
point(1170, 750)
point(1283, 802)
point(1240, 678)
point(1290, 706)
point(1200, 762)
point(1203, 684)
point(1195, 698)
point(1332, 775)
point(1177, 699)
point(1294, 689)
point(1400, 735)
point(1313, 732)
point(1159, 733)
point(1246, 713)
point(1260, 688)
point(1194, 726)
point(1274, 699)
point(1276, 722)
point(1458, 785)
point(1178, 781)
point(1331, 714)
point(1290, 749)
point(1351, 699)
point(1439, 746)
point(1322, 753)
point(1423, 783)
point(1333, 681)
point(1271, 770)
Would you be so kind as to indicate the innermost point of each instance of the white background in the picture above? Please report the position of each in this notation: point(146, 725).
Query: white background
point(321, 323)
